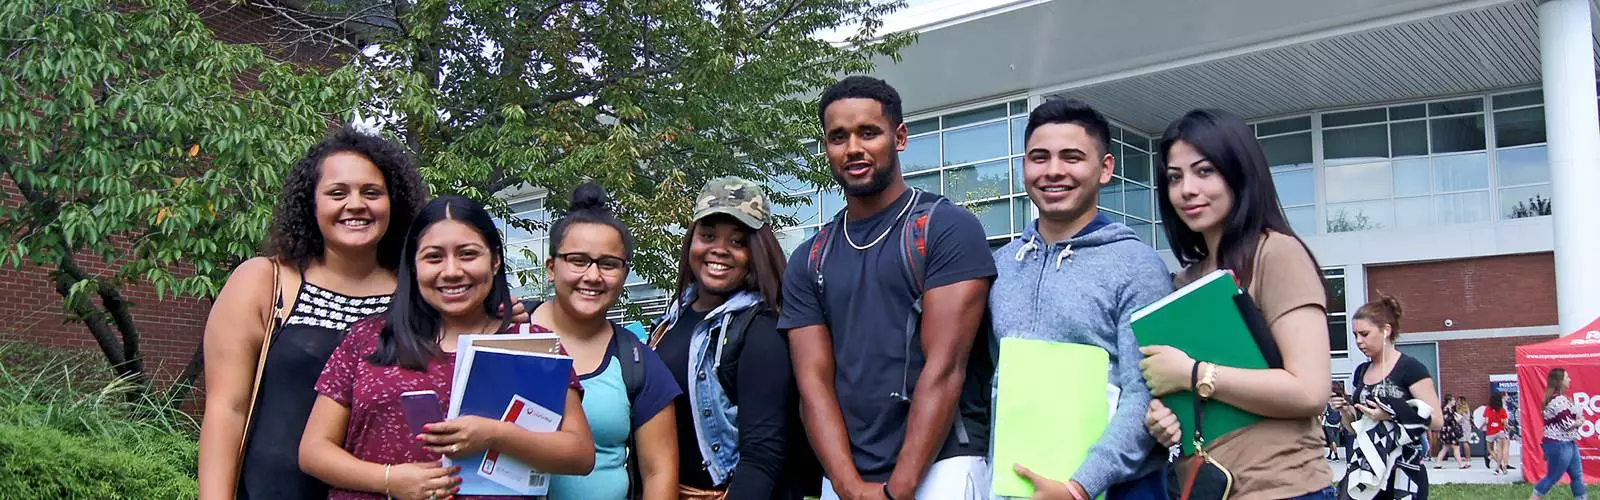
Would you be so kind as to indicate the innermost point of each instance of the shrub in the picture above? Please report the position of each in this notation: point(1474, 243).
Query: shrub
point(69, 429)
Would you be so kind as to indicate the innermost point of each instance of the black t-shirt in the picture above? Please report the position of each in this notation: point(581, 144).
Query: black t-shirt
point(674, 351)
point(868, 302)
point(1396, 385)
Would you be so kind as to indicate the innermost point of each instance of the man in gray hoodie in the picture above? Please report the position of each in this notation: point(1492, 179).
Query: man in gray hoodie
point(1075, 276)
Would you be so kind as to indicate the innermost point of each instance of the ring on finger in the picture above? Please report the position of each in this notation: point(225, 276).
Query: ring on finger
point(455, 448)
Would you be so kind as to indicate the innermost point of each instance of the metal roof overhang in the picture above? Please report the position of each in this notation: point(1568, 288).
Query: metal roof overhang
point(1146, 62)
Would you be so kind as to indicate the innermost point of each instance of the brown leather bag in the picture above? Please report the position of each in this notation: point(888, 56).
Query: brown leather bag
point(692, 493)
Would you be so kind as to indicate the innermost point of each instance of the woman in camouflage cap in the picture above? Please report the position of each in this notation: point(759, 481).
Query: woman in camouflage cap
point(739, 431)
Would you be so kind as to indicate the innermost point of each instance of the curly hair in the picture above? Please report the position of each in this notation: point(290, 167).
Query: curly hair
point(295, 236)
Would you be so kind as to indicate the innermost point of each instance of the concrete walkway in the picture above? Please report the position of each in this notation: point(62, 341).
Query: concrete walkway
point(1450, 473)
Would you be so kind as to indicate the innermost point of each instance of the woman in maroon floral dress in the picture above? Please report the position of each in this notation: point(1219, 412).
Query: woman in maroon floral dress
point(452, 278)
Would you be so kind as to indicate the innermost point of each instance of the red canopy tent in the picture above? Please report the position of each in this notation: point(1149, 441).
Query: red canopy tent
point(1579, 354)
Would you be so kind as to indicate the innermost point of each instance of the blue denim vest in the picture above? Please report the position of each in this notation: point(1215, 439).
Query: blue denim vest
point(715, 418)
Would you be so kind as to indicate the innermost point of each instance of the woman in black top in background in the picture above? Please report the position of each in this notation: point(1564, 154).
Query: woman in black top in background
point(739, 432)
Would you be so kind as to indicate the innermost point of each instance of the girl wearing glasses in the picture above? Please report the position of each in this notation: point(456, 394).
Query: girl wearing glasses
point(628, 392)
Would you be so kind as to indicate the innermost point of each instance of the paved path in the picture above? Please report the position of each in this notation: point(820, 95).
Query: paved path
point(1451, 474)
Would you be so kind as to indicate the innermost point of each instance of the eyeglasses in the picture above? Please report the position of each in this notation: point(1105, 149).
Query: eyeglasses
point(580, 262)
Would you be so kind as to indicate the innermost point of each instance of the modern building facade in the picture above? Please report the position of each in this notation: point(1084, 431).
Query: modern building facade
point(1437, 151)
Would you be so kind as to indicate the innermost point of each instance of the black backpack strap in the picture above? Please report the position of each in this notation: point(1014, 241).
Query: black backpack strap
point(914, 262)
point(819, 254)
point(730, 347)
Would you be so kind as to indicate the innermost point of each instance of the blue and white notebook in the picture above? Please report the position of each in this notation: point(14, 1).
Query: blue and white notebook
point(526, 388)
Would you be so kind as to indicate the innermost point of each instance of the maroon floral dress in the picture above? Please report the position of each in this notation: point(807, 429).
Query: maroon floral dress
point(377, 430)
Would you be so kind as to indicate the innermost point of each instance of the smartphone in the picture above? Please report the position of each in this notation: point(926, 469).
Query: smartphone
point(421, 408)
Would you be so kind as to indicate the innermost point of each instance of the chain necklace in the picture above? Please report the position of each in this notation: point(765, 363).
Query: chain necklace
point(915, 193)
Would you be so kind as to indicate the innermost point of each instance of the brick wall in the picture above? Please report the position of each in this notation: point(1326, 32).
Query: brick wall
point(1465, 365)
point(1487, 292)
point(30, 308)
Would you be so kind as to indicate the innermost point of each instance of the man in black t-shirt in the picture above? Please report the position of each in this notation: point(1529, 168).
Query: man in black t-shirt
point(891, 413)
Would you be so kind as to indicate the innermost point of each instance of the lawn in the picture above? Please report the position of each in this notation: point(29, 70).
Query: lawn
point(1492, 492)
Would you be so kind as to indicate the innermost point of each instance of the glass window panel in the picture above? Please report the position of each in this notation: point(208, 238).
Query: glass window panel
point(974, 116)
point(1367, 181)
point(1409, 111)
point(1460, 172)
point(922, 153)
point(995, 217)
point(1455, 107)
point(1285, 125)
point(1145, 230)
point(832, 203)
point(1526, 201)
point(1335, 288)
point(520, 230)
point(1411, 177)
point(1516, 128)
point(791, 184)
point(927, 182)
point(1464, 133)
point(1462, 207)
point(1161, 237)
point(1288, 150)
point(804, 211)
point(790, 240)
point(984, 180)
point(1409, 138)
point(1019, 213)
point(1528, 98)
point(1018, 142)
point(1338, 337)
point(1019, 107)
point(1357, 143)
point(1111, 196)
point(1302, 219)
point(1355, 117)
point(1524, 166)
point(1296, 187)
point(1135, 165)
point(1139, 202)
point(921, 126)
point(523, 256)
point(977, 143)
point(1361, 216)
point(1132, 139)
point(1414, 212)
point(1116, 133)
point(1017, 184)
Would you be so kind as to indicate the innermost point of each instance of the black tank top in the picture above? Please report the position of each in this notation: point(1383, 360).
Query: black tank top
point(302, 345)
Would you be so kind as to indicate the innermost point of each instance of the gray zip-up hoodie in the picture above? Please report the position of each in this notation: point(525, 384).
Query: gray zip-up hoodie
point(1084, 291)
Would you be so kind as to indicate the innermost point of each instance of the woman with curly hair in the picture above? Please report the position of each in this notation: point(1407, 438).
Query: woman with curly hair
point(329, 260)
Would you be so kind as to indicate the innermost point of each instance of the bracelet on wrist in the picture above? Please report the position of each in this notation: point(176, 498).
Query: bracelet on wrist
point(886, 493)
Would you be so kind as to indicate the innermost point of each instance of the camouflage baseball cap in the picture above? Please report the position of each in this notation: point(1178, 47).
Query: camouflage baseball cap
point(743, 199)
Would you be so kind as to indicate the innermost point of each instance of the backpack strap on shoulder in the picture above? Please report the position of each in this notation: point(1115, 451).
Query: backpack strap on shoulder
point(914, 241)
point(819, 254)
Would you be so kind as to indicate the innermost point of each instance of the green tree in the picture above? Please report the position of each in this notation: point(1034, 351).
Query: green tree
point(648, 98)
point(144, 151)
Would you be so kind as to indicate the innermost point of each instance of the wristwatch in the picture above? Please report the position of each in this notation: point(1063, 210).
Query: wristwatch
point(1208, 381)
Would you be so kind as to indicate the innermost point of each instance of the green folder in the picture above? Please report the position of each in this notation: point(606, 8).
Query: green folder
point(1203, 320)
point(1051, 406)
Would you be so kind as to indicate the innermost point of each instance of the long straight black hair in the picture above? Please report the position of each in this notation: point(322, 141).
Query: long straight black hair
point(411, 336)
point(1227, 142)
point(765, 271)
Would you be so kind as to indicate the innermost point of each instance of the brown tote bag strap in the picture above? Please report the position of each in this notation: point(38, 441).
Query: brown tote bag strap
point(261, 359)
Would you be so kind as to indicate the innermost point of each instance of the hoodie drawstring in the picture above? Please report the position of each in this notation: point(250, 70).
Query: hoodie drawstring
point(1065, 254)
point(1026, 247)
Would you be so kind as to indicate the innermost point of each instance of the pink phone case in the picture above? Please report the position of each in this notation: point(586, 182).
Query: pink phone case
point(421, 408)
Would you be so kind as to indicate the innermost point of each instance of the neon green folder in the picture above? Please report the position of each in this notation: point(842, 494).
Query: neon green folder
point(1051, 406)
point(1202, 320)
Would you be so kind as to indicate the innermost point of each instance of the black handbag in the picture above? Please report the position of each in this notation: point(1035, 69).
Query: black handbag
point(1205, 479)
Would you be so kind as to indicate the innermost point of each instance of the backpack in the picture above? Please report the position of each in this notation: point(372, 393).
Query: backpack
point(731, 346)
point(631, 362)
point(913, 262)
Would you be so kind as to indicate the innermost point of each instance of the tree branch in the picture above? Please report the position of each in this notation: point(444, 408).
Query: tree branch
point(787, 11)
point(116, 306)
point(595, 85)
point(97, 328)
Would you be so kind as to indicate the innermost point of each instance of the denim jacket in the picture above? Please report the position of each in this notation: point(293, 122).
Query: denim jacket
point(715, 417)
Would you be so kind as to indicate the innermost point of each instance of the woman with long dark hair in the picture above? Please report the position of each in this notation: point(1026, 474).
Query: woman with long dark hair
point(1222, 211)
point(330, 259)
point(628, 392)
point(452, 283)
point(1560, 443)
point(748, 442)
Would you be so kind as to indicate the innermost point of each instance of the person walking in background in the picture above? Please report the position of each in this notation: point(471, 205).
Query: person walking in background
point(1077, 277)
point(1392, 406)
point(1451, 434)
point(895, 385)
point(1560, 444)
point(1216, 182)
point(452, 283)
point(1495, 433)
point(332, 250)
point(739, 430)
point(1332, 432)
